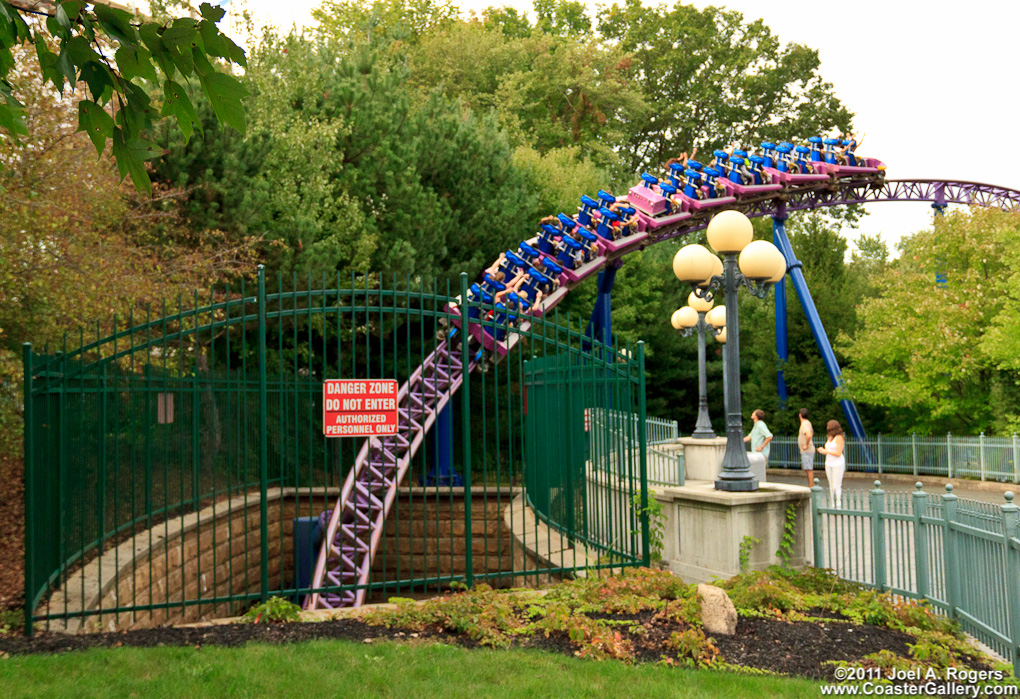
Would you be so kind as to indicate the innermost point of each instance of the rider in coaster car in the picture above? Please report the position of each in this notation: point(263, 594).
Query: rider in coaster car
point(508, 269)
point(668, 191)
point(628, 217)
point(754, 166)
point(529, 254)
point(784, 161)
point(692, 186)
point(552, 272)
point(571, 253)
point(530, 289)
point(850, 143)
point(720, 161)
point(516, 305)
point(738, 173)
point(548, 232)
point(711, 176)
point(802, 160)
point(584, 210)
point(817, 152)
point(605, 227)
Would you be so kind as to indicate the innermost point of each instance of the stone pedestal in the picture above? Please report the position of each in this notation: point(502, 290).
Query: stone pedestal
point(705, 528)
point(703, 459)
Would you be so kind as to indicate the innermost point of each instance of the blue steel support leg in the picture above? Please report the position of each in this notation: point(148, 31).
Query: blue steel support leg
point(782, 339)
point(794, 269)
point(600, 326)
point(941, 274)
point(442, 472)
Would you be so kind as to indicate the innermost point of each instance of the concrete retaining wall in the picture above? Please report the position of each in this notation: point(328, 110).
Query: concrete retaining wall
point(201, 558)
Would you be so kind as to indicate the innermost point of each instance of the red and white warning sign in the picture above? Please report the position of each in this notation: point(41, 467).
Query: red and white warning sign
point(359, 408)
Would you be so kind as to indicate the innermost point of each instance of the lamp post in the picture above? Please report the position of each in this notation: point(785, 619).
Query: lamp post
point(699, 316)
point(760, 265)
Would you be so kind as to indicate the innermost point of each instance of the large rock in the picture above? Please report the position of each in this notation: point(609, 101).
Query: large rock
point(718, 615)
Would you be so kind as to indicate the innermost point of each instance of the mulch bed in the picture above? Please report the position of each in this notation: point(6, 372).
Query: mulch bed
point(794, 648)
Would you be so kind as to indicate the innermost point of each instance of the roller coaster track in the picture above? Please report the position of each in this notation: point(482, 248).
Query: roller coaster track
point(354, 527)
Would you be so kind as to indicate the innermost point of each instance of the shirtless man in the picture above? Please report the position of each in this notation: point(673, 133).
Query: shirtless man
point(807, 450)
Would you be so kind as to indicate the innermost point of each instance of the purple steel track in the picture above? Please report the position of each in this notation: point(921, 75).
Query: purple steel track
point(862, 192)
point(355, 525)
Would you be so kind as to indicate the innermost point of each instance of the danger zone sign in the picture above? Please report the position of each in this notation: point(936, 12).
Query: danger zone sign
point(359, 408)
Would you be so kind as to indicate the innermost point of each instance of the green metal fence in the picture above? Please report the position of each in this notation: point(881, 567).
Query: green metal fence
point(981, 457)
point(615, 429)
point(171, 459)
point(962, 556)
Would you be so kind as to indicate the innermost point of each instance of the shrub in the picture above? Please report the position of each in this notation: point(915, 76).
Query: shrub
point(692, 645)
point(275, 609)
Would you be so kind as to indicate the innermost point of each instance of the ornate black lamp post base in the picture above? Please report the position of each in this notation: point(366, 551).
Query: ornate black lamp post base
point(736, 486)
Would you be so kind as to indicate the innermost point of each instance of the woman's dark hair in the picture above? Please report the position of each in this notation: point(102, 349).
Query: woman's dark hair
point(833, 428)
point(803, 413)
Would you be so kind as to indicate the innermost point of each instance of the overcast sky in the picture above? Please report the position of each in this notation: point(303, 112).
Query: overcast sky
point(932, 83)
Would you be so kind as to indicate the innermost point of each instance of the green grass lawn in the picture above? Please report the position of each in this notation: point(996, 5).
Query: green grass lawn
point(336, 668)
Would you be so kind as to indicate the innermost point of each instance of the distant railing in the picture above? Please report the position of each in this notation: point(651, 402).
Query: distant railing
point(663, 467)
point(984, 458)
point(661, 431)
point(962, 556)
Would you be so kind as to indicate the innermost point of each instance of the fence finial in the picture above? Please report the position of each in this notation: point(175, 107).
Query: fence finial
point(1009, 497)
point(919, 485)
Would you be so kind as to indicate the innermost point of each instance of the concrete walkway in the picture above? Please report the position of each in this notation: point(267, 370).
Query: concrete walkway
point(982, 491)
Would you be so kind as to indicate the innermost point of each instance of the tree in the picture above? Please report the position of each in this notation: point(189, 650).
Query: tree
point(355, 170)
point(406, 20)
point(117, 56)
point(76, 246)
point(714, 78)
point(937, 356)
point(549, 91)
point(837, 286)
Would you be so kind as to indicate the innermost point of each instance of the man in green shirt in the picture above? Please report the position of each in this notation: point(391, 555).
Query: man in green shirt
point(760, 435)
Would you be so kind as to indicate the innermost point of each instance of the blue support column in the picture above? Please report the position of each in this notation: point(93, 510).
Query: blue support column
point(782, 338)
point(796, 273)
point(941, 274)
point(600, 325)
point(442, 472)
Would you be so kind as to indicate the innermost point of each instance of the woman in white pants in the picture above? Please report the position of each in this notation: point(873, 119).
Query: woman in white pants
point(835, 461)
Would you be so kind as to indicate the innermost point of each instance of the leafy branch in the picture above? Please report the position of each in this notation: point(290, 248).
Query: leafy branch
point(73, 46)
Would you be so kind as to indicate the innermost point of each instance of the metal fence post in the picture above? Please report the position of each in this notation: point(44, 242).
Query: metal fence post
point(919, 507)
point(1010, 517)
point(913, 449)
point(1016, 458)
point(646, 552)
point(949, 453)
point(981, 441)
point(29, 477)
point(465, 430)
point(263, 441)
point(881, 457)
point(877, 498)
point(952, 573)
point(817, 498)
